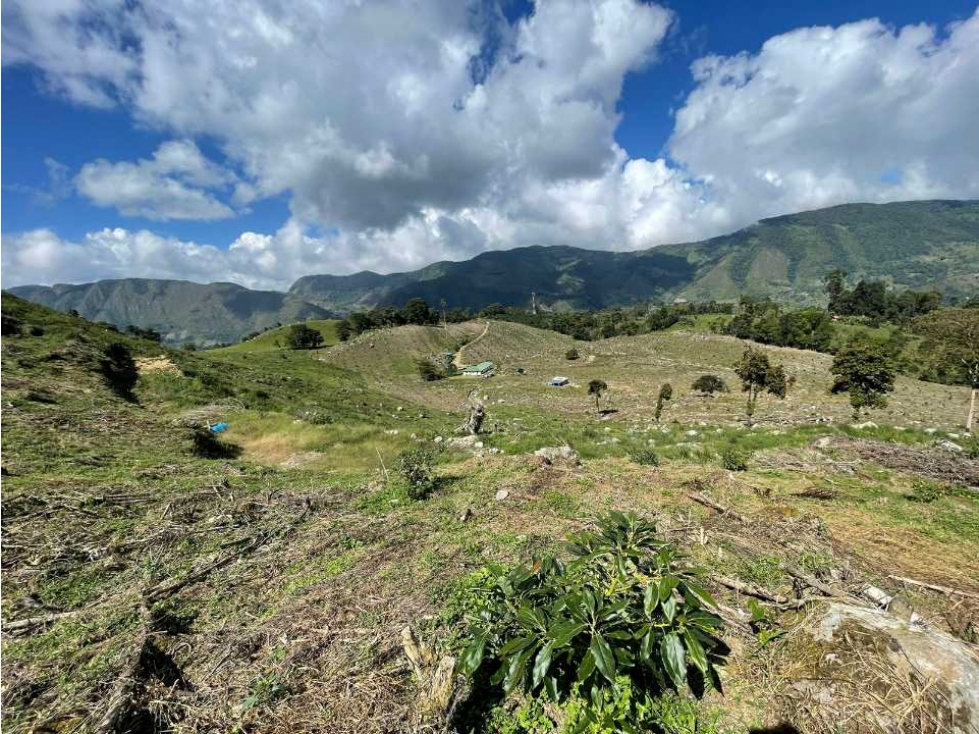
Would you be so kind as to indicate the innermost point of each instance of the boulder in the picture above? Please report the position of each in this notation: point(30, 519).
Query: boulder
point(552, 453)
point(950, 446)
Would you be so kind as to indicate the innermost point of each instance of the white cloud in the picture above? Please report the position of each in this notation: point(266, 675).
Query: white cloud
point(439, 130)
point(171, 185)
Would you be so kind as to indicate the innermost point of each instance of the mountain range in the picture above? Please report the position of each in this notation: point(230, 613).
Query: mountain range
point(920, 245)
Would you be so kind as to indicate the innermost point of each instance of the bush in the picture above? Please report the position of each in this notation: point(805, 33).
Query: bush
point(571, 354)
point(37, 331)
point(416, 468)
point(708, 385)
point(923, 490)
point(119, 370)
point(209, 446)
point(302, 336)
point(735, 459)
point(620, 623)
point(645, 457)
point(428, 370)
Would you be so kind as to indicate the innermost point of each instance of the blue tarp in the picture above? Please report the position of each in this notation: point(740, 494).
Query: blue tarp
point(219, 428)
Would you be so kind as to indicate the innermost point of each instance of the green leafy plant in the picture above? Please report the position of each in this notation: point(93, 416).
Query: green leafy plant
point(625, 605)
point(415, 467)
point(571, 354)
point(765, 627)
point(759, 375)
point(923, 490)
point(664, 396)
point(735, 459)
point(708, 385)
point(645, 457)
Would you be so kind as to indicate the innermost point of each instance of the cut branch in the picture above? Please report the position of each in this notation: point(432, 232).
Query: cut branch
point(934, 587)
point(708, 502)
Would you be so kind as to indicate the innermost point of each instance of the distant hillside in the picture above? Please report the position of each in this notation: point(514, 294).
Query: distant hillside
point(928, 244)
point(180, 310)
point(922, 245)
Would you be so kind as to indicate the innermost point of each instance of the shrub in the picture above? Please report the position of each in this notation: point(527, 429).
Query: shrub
point(664, 396)
point(416, 468)
point(209, 446)
point(645, 457)
point(923, 490)
point(571, 354)
point(428, 370)
point(735, 459)
point(708, 385)
point(621, 622)
point(37, 331)
point(119, 370)
point(11, 325)
point(302, 336)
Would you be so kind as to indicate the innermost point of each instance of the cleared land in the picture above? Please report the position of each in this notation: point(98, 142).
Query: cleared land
point(266, 591)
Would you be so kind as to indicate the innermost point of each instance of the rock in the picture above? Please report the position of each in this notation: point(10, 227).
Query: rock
point(950, 446)
point(464, 442)
point(437, 439)
point(552, 453)
point(942, 663)
point(930, 431)
point(392, 432)
point(466, 514)
point(878, 596)
point(823, 442)
point(691, 433)
point(864, 425)
point(501, 495)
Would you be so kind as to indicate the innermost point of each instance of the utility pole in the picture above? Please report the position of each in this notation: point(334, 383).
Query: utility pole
point(533, 302)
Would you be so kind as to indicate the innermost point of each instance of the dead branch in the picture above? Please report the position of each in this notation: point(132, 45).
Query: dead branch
point(750, 589)
point(708, 502)
point(122, 692)
point(813, 582)
point(21, 624)
point(934, 587)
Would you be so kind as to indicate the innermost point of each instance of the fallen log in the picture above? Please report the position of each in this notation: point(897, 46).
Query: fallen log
point(708, 502)
point(934, 587)
point(22, 624)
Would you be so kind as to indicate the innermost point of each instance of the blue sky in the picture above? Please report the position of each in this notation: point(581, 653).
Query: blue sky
point(612, 150)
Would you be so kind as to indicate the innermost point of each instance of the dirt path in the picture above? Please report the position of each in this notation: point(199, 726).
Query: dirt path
point(457, 360)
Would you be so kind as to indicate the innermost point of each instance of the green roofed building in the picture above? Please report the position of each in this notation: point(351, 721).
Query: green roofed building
point(478, 370)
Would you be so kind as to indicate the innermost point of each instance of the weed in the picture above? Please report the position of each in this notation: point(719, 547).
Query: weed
point(645, 457)
point(415, 467)
point(735, 459)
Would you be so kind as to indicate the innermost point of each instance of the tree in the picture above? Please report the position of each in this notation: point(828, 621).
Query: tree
point(302, 336)
point(596, 388)
point(951, 339)
point(119, 370)
point(344, 331)
point(665, 395)
point(416, 311)
point(708, 385)
point(428, 371)
point(571, 354)
point(759, 375)
point(836, 289)
point(866, 373)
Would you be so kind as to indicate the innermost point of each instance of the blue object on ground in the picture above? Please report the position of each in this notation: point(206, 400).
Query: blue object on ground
point(219, 428)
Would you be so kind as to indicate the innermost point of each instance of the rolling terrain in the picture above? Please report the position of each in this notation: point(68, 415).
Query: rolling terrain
point(921, 245)
point(263, 584)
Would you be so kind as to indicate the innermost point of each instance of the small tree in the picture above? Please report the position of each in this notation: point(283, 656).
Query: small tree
point(302, 336)
point(119, 370)
point(428, 371)
point(416, 467)
point(571, 354)
point(665, 395)
point(596, 388)
point(863, 371)
point(759, 375)
point(708, 385)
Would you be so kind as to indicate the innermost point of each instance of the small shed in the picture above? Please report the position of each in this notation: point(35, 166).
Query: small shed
point(478, 370)
point(558, 381)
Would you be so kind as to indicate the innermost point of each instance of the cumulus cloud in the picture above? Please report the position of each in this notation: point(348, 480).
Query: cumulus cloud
point(173, 184)
point(442, 130)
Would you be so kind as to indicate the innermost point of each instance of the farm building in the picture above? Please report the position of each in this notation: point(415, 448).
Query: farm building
point(558, 381)
point(483, 369)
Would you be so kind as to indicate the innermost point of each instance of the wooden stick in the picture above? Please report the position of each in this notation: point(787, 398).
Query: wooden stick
point(32, 621)
point(708, 502)
point(813, 582)
point(934, 587)
point(749, 589)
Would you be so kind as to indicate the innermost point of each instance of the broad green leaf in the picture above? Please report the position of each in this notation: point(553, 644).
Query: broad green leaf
point(516, 670)
point(669, 608)
point(699, 593)
point(666, 586)
point(541, 664)
point(472, 656)
point(604, 660)
point(646, 646)
point(515, 645)
point(696, 652)
point(674, 658)
point(586, 668)
point(563, 632)
point(551, 688)
point(650, 598)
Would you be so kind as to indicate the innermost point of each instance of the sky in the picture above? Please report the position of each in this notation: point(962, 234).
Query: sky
point(256, 141)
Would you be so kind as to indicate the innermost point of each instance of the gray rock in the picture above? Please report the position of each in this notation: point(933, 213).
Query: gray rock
point(557, 452)
point(950, 446)
point(823, 442)
point(501, 495)
point(864, 425)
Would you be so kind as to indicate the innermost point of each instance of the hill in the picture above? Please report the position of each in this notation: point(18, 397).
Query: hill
point(262, 581)
point(278, 338)
point(180, 310)
point(923, 245)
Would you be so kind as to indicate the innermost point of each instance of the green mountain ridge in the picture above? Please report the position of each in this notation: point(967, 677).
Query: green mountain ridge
point(179, 310)
point(921, 245)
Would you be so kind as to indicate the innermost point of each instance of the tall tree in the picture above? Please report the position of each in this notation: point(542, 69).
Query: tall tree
point(866, 373)
point(759, 375)
point(951, 341)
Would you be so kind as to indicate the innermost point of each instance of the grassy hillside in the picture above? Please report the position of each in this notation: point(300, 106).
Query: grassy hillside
point(265, 587)
point(275, 339)
point(923, 245)
point(181, 311)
